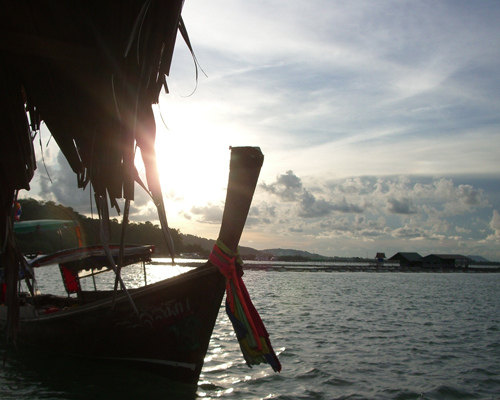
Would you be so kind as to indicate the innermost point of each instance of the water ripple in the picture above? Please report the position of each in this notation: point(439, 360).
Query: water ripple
point(339, 336)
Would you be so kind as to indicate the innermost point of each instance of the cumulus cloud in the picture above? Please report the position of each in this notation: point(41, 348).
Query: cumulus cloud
point(268, 209)
point(400, 206)
point(469, 195)
point(145, 212)
point(407, 232)
point(310, 207)
point(62, 186)
point(403, 209)
point(354, 227)
point(210, 214)
point(350, 186)
point(287, 186)
point(344, 206)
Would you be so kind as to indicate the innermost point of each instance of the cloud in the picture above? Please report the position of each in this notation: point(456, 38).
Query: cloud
point(400, 206)
point(142, 213)
point(495, 224)
point(210, 214)
point(63, 188)
point(262, 213)
point(310, 207)
point(411, 212)
point(406, 232)
point(469, 195)
point(287, 186)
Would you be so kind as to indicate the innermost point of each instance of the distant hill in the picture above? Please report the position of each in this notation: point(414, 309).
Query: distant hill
point(282, 253)
point(205, 246)
point(478, 259)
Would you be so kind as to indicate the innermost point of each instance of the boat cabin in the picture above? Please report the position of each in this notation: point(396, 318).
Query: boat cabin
point(77, 264)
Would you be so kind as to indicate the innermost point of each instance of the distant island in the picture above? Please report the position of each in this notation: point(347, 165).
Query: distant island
point(191, 246)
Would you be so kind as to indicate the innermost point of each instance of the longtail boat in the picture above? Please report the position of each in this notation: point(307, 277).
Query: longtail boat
point(167, 330)
point(164, 327)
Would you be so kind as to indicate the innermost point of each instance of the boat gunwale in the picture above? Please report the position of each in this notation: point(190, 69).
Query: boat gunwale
point(121, 297)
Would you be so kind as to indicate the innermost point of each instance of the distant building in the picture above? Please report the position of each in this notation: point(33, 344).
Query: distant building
point(380, 257)
point(413, 260)
point(446, 261)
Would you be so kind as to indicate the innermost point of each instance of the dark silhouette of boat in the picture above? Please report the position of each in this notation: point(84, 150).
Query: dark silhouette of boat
point(167, 331)
point(164, 327)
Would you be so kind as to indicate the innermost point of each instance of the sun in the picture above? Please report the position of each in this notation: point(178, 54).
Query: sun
point(193, 163)
point(191, 167)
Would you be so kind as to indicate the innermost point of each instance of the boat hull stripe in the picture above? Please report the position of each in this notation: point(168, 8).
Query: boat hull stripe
point(190, 366)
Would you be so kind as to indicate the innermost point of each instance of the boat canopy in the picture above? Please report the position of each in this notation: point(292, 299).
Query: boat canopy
point(85, 258)
point(43, 225)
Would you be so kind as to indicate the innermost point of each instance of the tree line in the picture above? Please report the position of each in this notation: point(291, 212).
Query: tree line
point(50, 241)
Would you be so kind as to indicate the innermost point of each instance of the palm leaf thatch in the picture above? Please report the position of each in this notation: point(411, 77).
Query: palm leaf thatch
point(91, 71)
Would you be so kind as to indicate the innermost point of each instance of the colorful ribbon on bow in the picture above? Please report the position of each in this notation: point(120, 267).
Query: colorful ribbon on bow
point(250, 330)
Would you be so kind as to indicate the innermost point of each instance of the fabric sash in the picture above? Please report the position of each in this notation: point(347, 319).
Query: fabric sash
point(250, 330)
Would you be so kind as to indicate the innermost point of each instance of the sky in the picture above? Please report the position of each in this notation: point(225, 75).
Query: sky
point(379, 123)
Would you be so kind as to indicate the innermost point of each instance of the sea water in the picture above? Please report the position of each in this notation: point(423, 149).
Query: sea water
point(351, 335)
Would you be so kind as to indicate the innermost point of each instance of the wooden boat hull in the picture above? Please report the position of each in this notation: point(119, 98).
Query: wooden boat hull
point(170, 336)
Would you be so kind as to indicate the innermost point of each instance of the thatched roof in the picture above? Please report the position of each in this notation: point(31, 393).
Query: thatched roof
point(90, 70)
